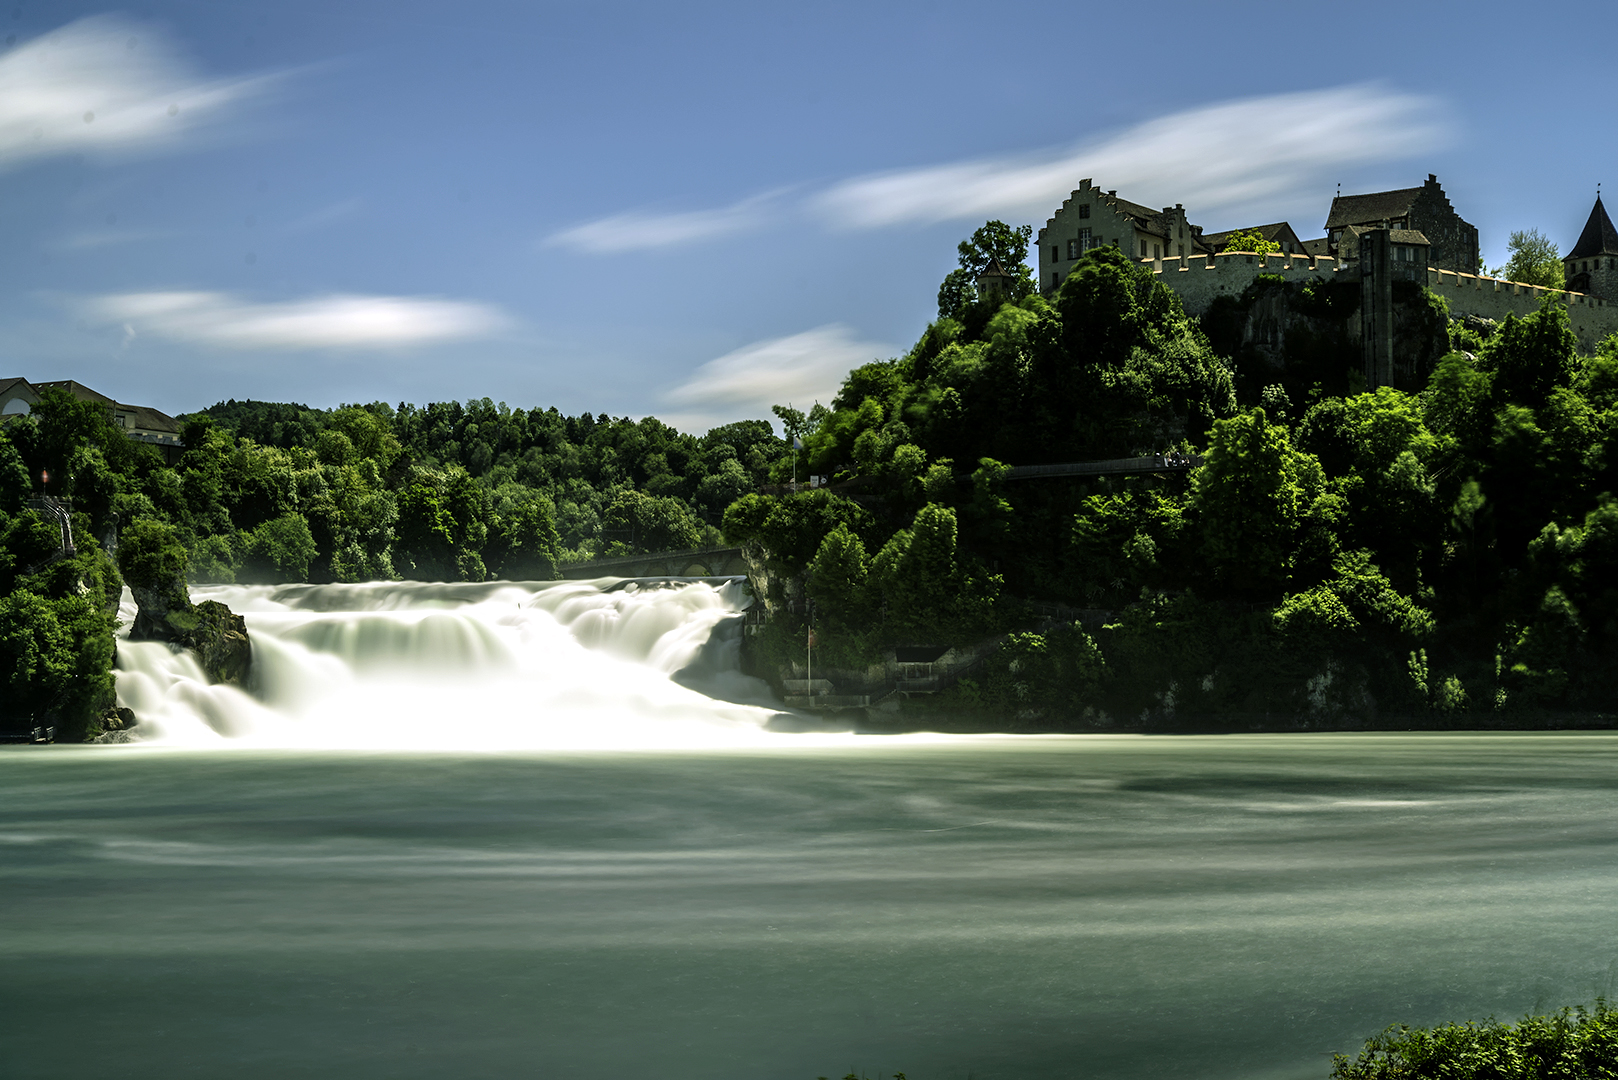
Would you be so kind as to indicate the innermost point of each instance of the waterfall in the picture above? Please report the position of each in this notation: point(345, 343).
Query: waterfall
point(500, 665)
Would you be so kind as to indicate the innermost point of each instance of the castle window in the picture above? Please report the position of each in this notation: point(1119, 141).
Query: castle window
point(1182, 251)
point(1079, 246)
point(1143, 249)
point(1156, 251)
point(1056, 279)
point(1084, 210)
point(1056, 253)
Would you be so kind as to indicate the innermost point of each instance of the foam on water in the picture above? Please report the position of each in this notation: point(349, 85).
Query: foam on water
point(390, 665)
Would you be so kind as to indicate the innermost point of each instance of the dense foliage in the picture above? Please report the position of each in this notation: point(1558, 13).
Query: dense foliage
point(1440, 552)
point(58, 610)
point(1574, 1044)
point(1334, 553)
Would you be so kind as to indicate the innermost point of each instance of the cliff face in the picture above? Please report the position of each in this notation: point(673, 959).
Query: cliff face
point(1305, 335)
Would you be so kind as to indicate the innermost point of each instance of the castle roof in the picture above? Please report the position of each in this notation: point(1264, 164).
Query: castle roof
point(1276, 231)
point(1376, 206)
point(1598, 237)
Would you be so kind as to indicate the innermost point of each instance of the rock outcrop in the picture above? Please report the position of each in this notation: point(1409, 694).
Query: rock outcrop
point(154, 566)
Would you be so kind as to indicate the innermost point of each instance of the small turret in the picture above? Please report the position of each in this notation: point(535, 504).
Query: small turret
point(994, 279)
point(1592, 265)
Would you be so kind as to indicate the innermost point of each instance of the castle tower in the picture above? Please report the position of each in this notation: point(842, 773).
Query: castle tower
point(1592, 265)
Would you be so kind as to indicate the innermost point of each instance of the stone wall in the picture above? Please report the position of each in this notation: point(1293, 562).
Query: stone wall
point(1201, 279)
point(1491, 298)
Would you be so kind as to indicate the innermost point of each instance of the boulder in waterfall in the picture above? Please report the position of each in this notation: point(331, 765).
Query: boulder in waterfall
point(154, 564)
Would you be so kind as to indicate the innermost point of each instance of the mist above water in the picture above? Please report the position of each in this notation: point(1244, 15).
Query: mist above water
point(412, 665)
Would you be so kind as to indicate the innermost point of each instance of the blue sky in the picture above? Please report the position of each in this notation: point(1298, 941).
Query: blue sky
point(690, 210)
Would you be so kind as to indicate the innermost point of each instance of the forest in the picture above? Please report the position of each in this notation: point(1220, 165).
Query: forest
point(1443, 553)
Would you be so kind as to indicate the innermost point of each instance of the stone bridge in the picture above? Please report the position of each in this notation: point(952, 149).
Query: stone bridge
point(694, 562)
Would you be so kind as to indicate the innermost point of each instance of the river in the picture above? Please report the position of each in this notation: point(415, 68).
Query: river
point(453, 881)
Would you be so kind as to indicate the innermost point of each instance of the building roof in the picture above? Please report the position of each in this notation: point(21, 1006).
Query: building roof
point(9, 385)
point(1374, 207)
point(992, 270)
point(141, 416)
point(78, 390)
point(1598, 237)
point(1320, 246)
point(151, 419)
point(1409, 236)
point(1274, 231)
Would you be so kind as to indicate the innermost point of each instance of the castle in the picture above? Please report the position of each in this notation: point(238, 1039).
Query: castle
point(1372, 240)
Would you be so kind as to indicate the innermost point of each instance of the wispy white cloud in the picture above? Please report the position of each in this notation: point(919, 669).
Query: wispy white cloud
point(104, 85)
point(1218, 158)
point(796, 370)
point(338, 321)
point(1259, 156)
point(640, 229)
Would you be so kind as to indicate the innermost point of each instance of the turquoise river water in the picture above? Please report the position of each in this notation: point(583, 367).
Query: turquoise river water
point(770, 906)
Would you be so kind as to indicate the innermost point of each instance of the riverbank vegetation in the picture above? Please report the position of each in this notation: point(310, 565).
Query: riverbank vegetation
point(1573, 1044)
point(1443, 553)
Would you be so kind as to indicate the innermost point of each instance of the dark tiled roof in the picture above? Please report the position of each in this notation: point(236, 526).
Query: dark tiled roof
point(151, 419)
point(1598, 237)
point(1276, 231)
point(9, 384)
point(144, 416)
point(993, 270)
point(1366, 209)
point(1408, 236)
point(1147, 219)
point(78, 390)
point(1322, 246)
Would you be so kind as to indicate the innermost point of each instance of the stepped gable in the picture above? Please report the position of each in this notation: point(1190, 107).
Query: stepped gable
point(1598, 237)
point(1377, 206)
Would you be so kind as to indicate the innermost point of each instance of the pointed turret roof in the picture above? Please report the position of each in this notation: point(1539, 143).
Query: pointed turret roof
point(993, 270)
point(1598, 237)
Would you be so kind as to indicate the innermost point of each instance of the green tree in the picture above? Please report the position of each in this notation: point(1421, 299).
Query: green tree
point(838, 582)
point(1252, 493)
point(998, 242)
point(527, 547)
point(1534, 260)
point(956, 294)
point(638, 522)
point(280, 549)
point(1251, 240)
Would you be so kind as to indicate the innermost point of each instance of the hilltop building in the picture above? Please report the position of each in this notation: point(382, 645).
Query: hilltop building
point(1425, 209)
point(1091, 217)
point(140, 422)
point(17, 398)
point(1375, 243)
point(1592, 265)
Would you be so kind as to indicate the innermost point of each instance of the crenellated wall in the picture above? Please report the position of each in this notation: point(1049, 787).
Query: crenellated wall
point(1491, 298)
point(1200, 279)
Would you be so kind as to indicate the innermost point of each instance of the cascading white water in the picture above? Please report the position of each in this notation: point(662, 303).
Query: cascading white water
point(441, 666)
